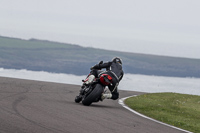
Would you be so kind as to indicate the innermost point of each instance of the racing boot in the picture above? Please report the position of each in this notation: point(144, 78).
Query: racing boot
point(106, 96)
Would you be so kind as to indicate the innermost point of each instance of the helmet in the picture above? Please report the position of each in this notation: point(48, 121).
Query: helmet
point(117, 60)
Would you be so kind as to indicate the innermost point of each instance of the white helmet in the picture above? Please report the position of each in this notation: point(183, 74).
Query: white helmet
point(117, 60)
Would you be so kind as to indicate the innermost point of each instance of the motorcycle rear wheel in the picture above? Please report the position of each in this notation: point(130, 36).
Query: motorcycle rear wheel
point(96, 93)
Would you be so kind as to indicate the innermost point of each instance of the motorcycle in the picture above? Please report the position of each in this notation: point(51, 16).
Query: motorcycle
point(93, 92)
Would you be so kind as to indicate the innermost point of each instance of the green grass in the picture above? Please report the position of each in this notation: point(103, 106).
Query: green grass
point(180, 110)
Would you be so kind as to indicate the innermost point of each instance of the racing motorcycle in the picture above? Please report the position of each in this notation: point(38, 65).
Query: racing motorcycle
point(93, 92)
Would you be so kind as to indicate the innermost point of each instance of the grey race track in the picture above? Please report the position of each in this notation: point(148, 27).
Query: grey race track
point(41, 107)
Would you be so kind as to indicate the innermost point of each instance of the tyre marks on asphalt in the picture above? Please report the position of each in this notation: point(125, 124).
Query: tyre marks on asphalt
point(32, 106)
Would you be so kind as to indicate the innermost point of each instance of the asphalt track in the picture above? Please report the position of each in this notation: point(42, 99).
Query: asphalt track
point(41, 107)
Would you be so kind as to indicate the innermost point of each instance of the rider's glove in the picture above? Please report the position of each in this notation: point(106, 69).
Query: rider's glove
point(97, 66)
point(101, 62)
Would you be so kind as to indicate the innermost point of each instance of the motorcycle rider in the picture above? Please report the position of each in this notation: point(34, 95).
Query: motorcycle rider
point(114, 69)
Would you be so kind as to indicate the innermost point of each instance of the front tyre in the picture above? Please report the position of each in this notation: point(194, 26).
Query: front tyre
point(96, 93)
point(77, 99)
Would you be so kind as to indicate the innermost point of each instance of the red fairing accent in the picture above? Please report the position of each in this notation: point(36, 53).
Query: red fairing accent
point(109, 77)
point(103, 81)
point(86, 78)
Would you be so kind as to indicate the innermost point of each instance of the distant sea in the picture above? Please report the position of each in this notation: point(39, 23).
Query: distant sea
point(130, 82)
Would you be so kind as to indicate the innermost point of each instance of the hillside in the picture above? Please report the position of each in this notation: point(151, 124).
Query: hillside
point(42, 55)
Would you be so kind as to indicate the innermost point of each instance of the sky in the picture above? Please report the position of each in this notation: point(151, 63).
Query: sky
point(169, 27)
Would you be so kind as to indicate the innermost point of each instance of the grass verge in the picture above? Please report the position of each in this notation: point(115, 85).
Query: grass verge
point(180, 110)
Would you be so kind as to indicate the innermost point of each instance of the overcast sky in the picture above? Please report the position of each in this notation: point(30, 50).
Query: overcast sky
point(161, 27)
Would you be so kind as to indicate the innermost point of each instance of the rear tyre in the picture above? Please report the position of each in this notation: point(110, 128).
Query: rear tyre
point(95, 94)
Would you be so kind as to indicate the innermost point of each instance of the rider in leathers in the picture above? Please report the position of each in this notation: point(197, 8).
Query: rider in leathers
point(114, 69)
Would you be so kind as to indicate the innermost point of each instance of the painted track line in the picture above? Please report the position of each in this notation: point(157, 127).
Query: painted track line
point(121, 101)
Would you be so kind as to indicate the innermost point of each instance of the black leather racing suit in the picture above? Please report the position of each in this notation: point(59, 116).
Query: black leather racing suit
point(113, 69)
